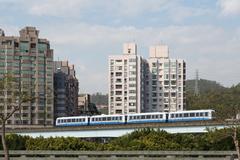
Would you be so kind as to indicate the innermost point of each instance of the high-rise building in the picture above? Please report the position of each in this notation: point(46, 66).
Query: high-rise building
point(165, 81)
point(126, 78)
point(137, 85)
point(65, 89)
point(29, 60)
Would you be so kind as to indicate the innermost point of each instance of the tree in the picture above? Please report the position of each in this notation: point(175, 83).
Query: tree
point(14, 96)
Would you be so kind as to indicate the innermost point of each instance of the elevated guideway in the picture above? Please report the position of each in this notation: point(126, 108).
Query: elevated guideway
point(119, 130)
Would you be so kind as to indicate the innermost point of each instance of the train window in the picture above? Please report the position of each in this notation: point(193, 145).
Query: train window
point(185, 114)
point(138, 117)
point(172, 115)
point(58, 121)
point(120, 118)
point(176, 115)
point(161, 116)
point(180, 115)
point(130, 117)
point(201, 114)
point(192, 114)
point(84, 120)
point(64, 120)
point(148, 117)
point(197, 114)
point(135, 117)
point(73, 120)
point(206, 114)
point(68, 120)
point(113, 118)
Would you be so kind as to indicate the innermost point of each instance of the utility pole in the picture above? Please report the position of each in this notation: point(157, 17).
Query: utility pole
point(196, 88)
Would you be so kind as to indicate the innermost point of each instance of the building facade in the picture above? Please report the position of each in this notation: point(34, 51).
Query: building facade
point(165, 81)
point(65, 89)
point(83, 103)
point(29, 59)
point(126, 78)
point(154, 85)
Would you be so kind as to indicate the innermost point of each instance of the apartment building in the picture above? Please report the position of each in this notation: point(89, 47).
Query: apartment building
point(137, 85)
point(126, 73)
point(29, 59)
point(165, 81)
point(65, 89)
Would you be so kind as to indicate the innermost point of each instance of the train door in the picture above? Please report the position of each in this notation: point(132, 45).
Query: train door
point(88, 119)
point(167, 116)
point(125, 119)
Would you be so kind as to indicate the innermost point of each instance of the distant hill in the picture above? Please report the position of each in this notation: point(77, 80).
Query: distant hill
point(99, 99)
point(204, 86)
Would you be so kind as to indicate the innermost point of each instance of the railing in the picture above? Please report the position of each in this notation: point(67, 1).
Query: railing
point(121, 155)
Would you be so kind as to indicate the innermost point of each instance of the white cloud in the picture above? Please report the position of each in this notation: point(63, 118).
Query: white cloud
point(57, 8)
point(123, 9)
point(229, 7)
point(202, 46)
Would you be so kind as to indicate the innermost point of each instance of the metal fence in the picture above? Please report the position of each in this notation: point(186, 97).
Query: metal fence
point(120, 155)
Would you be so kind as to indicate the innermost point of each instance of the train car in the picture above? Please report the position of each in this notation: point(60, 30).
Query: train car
point(155, 117)
point(107, 119)
point(192, 115)
point(72, 121)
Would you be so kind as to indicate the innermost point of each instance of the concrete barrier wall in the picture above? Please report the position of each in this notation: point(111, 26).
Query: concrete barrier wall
point(120, 155)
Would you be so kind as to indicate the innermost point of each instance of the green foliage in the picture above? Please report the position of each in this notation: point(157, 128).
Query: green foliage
point(59, 143)
point(225, 102)
point(15, 142)
point(204, 86)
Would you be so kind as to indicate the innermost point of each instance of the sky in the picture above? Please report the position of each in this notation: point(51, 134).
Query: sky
point(205, 33)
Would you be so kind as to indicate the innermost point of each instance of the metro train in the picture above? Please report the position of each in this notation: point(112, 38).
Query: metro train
point(154, 117)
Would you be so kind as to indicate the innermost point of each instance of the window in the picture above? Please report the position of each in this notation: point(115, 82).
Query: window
point(206, 114)
point(142, 117)
point(185, 114)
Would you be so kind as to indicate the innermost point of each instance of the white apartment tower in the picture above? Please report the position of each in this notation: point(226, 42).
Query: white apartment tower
point(165, 81)
point(126, 76)
point(154, 85)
